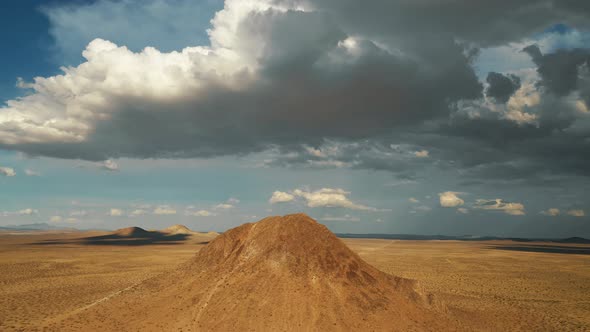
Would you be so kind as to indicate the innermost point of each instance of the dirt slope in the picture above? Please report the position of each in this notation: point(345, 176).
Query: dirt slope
point(281, 273)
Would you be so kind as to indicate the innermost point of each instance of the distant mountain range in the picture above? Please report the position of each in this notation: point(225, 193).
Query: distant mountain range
point(33, 227)
point(459, 238)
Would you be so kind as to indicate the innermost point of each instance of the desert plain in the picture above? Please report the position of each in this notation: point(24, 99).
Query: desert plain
point(48, 281)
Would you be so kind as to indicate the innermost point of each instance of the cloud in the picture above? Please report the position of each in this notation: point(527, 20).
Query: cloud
point(413, 200)
point(110, 165)
point(233, 201)
point(138, 212)
point(223, 206)
point(116, 213)
point(80, 213)
point(559, 71)
point(450, 199)
point(56, 219)
point(502, 87)
point(576, 213)
point(142, 206)
point(165, 24)
point(328, 197)
point(59, 219)
point(400, 183)
point(346, 217)
point(200, 213)
point(498, 204)
point(259, 53)
point(29, 172)
point(7, 171)
point(229, 204)
point(325, 197)
point(27, 212)
point(421, 154)
point(164, 210)
point(289, 76)
point(551, 212)
point(280, 197)
point(463, 210)
point(23, 212)
point(420, 208)
point(366, 154)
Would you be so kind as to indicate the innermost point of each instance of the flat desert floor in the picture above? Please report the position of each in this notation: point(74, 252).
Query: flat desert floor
point(489, 286)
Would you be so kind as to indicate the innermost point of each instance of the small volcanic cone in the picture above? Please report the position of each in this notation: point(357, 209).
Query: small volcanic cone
point(131, 232)
point(183, 230)
point(281, 273)
point(178, 229)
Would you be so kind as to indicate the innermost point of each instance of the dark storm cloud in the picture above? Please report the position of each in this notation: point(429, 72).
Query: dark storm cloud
point(307, 88)
point(500, 148)
point(502, 87)
point(404, 160)
point(376, 74)
point(484, 23)
point(560, 70)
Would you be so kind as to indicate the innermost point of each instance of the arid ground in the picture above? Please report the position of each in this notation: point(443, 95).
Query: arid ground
point(46, 279)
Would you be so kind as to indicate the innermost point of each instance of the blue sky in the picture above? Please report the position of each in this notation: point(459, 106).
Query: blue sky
point(170, 113)
point(26, 30)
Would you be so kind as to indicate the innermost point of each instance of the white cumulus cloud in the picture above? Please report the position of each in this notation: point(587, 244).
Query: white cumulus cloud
point(116, 212)
point(7, 171)
point(576, 213)
point(498, 204)
point(138, 212)
point(551, 212)
point(422, 154)
point(110, 165)
point(164, 210)
point(223, 206)
point(328, 197)
point(281, 197)
point(229, 204)
point(200, 213)
point(27, 212)
point(450, 199)
point(55, 219)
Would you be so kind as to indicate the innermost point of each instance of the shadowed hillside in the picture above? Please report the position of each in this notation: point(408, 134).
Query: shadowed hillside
point(136, 236)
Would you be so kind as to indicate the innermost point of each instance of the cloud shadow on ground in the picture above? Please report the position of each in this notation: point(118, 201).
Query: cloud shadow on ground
point(545, 249)
point(147, 238)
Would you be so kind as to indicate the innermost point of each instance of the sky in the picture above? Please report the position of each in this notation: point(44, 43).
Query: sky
point(389, 116)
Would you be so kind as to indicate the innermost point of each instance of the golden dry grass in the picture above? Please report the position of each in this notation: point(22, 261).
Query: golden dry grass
point(43, 282)
point(484, 285)
point(495, 285)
